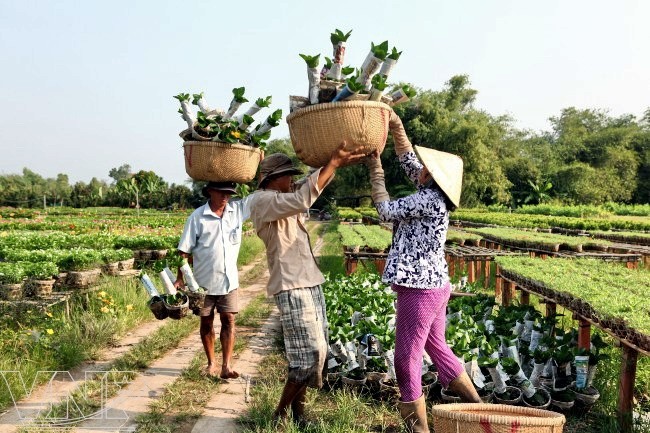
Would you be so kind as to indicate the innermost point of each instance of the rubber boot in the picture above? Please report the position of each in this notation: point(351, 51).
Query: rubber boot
point(289, 393)
point(464, 388)
point(414, 414)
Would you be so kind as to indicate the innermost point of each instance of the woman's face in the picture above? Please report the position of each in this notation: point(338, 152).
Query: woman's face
point(424, 177)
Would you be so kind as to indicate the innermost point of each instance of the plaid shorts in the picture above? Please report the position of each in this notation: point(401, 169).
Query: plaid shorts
point(304, 326)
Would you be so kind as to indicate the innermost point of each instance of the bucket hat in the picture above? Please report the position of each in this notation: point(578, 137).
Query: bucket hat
point(228, 187)
point(446, 169)
point(277, 164)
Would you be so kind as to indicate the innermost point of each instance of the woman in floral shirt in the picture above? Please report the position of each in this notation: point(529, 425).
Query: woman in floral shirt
point(417, 270)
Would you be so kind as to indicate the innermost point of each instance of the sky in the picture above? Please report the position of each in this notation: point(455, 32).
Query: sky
point(87, 86)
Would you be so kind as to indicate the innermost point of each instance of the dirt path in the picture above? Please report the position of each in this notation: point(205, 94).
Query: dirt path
point(134, 399)
point(63, 383)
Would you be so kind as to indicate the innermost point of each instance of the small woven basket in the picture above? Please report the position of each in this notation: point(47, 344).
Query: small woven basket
point(318, 129)
point(220, 162)
point(496, 418)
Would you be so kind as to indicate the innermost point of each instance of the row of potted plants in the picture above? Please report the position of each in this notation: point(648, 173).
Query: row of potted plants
point(513, 354)
point(99, 240)
point(549, 221)
point(609, 294)
point(336, 82)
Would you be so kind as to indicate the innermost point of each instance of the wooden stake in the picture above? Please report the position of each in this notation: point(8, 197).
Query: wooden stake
point(626, 388)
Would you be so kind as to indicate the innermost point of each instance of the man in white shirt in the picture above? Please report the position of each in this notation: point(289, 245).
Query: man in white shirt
point(211, 239)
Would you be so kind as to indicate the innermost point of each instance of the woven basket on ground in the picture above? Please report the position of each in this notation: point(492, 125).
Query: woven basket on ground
point(111, 268)
point(319, 129)
point(38, 288)
point(126, 265)
point(11, 292)
point(496, 418)
point(220, 162)
point(82, 279)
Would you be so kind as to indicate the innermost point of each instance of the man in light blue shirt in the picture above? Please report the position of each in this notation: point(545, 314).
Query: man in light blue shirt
point(211, 239)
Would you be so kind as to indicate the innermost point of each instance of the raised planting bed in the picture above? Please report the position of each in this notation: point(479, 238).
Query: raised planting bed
point(612, 296)
point(461, 237)
point(546, 221)
point(540, 241)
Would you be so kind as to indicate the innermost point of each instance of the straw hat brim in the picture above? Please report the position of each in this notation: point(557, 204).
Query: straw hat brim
point(446, 169)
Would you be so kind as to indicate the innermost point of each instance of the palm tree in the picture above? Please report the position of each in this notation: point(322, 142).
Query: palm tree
point(539, 192)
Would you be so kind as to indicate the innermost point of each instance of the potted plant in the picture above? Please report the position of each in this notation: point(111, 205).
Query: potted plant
point(177, 305)
point(562, 358)
point(12, 276)
point(339, 41)
point(40, 278)
point(402, 94)
point(564, 399)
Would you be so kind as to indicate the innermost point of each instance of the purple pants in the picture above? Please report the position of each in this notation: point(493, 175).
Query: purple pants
point(421, 326)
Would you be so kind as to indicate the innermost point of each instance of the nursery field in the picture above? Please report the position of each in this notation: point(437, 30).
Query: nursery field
point(517, 354)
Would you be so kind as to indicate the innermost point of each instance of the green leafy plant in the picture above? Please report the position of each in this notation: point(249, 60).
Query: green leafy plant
point(353, 85)
point(394, 54)
point(338, 36)
point(379, 82)
point(409, 91)
point(312, 61)
point(11, 273)
point(183, 97)
point(380, 51)
point(238, 94)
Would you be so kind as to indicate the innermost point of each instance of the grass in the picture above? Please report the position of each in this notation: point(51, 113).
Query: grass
point(47, 340)
point(251, 248)
point(333, 412)
point(331, 259)
point(24, 331)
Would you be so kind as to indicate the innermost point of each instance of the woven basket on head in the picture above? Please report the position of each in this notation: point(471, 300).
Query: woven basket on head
point(220, 162)
point(495, 418)
point(318, 129)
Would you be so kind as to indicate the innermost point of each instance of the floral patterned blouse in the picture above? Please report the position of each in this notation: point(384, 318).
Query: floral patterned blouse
point(417, 256)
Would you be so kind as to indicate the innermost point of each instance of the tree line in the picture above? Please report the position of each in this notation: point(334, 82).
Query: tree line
point(588, 157)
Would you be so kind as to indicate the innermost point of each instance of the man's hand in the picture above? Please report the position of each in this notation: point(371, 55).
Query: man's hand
point(342, 156)
point(339, 158)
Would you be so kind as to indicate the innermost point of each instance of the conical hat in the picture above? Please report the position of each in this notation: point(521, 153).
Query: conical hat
point(446, 169)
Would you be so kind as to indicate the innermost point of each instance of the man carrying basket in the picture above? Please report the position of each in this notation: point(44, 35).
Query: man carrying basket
point(277, 209)
point(211, 239)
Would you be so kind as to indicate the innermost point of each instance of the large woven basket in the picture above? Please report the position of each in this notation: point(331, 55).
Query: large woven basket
point(220, 162)
point(495, 418)
point(318, 129)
